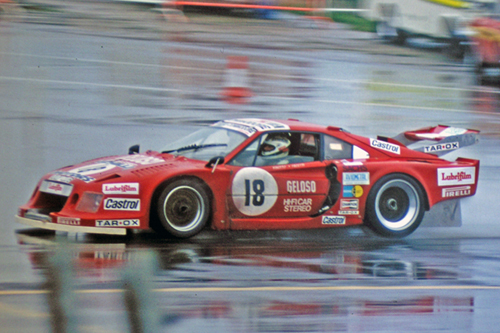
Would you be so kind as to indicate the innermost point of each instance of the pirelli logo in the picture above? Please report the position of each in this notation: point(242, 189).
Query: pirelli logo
point(456, 191)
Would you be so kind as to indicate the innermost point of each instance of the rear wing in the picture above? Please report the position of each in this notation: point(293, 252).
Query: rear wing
point(447, 139)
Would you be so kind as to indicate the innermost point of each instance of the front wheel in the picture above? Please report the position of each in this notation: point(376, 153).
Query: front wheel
point(395, 206)
point(183, 208)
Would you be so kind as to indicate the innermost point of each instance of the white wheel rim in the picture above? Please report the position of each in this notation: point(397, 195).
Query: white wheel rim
point(389, 203)
point(194, 200)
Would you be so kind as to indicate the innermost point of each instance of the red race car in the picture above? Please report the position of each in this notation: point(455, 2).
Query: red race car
point(248, 174)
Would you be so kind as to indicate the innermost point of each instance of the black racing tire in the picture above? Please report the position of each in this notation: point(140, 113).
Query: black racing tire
point(183, 208)
point(395, 206)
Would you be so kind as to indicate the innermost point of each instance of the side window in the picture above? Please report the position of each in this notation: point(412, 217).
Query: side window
point(288, 147)
point(309, 145)
point(336, 149)
point(247, 156)
point(278, 148)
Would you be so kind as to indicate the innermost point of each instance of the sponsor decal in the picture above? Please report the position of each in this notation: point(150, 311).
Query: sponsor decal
point(395, 149)
point(349, 207)
point(254, 191)
point(68, 220)
point(251, 126)
point(92, 169)
point(139, 159)
point(118, 223)
point(122, 204)
point(297, 205)
point(349, 204)
point(348, 212)
point(288, 166)
point(355, 168)
point(356, 178)
point(456, 191)
point(124, 162)
point(456, 176)
point(301, 186)
point(441, 147)
point(352, 191)
point(61, 179)
point(84, 178)
point(121, 188)
point(56, 188)
point(333, 220)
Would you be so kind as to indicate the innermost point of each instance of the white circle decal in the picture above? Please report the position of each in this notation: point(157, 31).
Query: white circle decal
point(254, 191)
point(93, 168)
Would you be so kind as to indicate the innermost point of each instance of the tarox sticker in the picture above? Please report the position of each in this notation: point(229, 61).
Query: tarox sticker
point(254, 191)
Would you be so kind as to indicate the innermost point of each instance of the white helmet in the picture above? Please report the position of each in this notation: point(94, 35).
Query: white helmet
point(275, 147)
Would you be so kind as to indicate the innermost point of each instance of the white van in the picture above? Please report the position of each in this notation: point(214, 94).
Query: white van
point(439, 19)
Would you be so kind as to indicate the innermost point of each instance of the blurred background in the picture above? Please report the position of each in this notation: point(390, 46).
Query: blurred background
point(83, 79)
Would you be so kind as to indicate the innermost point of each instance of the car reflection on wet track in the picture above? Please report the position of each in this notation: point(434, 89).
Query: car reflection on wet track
point(345, 260)
point(232, 282)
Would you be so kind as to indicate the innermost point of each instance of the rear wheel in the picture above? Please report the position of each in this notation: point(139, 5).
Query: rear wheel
point(183, 208)
point(395, 206)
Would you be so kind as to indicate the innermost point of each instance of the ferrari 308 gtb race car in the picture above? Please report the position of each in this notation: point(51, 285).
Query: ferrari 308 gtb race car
point(248, 174)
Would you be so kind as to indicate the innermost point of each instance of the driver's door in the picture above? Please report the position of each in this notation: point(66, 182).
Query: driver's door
point(288, 185)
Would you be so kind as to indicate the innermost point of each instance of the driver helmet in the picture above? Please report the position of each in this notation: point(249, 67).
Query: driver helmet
point(275, 147)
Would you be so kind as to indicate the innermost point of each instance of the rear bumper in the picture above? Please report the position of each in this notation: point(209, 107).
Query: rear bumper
point(69, 228)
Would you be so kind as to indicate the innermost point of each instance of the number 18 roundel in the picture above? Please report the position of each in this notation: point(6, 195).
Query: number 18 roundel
point(254, 191)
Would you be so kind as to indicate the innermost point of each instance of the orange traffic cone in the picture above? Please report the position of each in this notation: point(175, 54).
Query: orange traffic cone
point(236, 87)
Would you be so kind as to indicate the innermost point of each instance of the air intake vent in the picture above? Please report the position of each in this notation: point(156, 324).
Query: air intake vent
point(150, 170)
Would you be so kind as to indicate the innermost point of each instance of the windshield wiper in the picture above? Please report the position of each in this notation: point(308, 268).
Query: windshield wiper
point(194, 147)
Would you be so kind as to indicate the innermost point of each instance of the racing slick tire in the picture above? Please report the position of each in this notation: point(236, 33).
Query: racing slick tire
point(183, 208)
point(395, 206)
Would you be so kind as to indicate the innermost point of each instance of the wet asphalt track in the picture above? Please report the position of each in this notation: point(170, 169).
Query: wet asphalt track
point(90, 79)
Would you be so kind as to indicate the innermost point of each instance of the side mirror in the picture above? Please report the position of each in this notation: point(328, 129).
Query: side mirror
point(214, 161)
point(133, 150)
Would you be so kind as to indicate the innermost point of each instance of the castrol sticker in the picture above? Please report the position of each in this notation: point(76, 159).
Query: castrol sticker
point(254, 191)
point(389, 147)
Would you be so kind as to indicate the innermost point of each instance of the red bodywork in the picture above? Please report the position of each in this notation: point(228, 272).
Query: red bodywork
point(133, 182)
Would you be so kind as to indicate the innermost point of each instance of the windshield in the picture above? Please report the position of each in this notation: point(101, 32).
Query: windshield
point(206, 143)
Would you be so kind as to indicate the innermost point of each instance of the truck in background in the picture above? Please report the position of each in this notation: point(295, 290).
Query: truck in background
point(444, 20)
point(486, 45)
